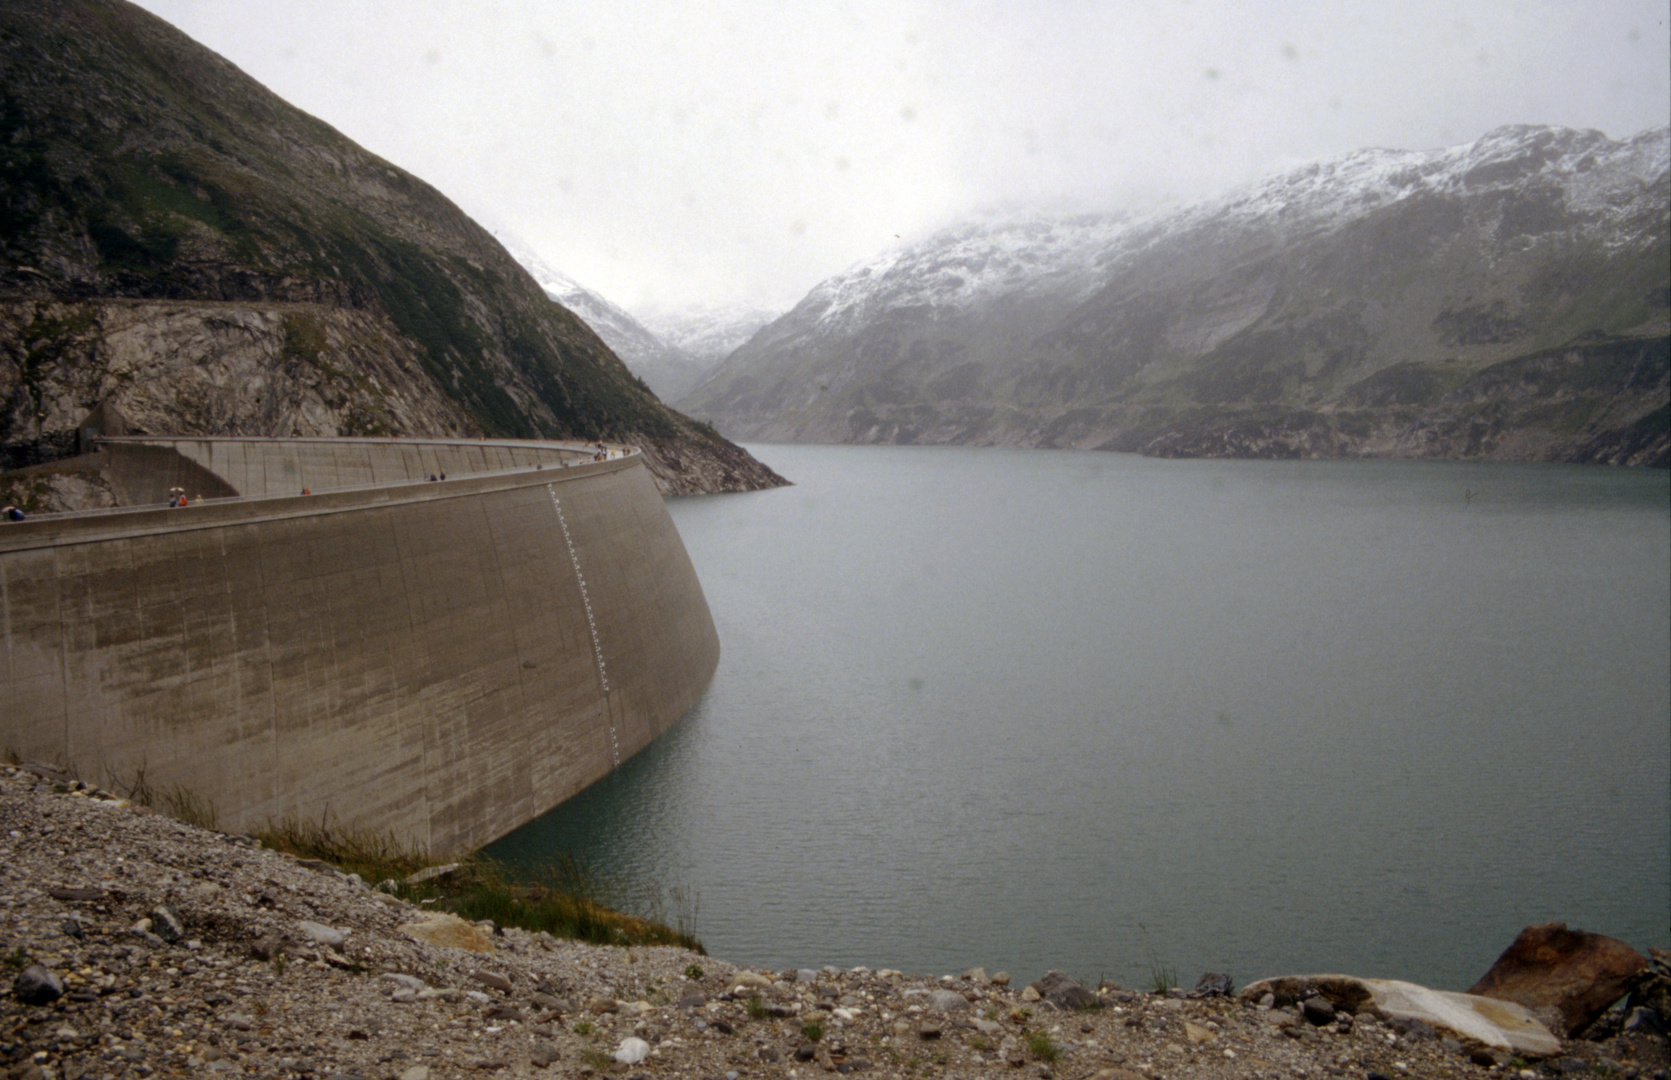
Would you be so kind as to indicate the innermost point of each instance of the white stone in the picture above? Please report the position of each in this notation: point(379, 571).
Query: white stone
point(411, 982)
point(632, 1050)
point(1500, 1024)
point(320, 934)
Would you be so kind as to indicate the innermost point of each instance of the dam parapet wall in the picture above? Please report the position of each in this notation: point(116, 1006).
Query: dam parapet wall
point(445, 660)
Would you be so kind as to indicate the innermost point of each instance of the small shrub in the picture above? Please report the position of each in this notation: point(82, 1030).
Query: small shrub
point(812, 1030)
point(582, 1027)
point(17, 958)
point(981, 1043)
point(692, 971)
point(756, 1008)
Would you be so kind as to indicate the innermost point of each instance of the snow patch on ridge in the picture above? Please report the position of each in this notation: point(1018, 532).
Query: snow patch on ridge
point(1595, 174)
point(966, 263)
point(1601, 180)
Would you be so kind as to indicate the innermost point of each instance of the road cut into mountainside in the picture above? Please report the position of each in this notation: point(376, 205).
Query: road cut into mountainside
point(441, 639)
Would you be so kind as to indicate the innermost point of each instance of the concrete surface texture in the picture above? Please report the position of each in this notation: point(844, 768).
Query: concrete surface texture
point(445, 659)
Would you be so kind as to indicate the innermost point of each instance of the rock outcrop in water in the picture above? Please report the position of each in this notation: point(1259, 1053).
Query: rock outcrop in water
point(181, 243)
point(1509, 299)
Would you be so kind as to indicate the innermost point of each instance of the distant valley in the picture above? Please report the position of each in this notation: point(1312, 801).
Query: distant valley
point(671, 357)
point(1506, 299)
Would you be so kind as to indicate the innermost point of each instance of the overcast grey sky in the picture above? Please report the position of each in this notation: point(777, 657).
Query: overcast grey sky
point(665, 152)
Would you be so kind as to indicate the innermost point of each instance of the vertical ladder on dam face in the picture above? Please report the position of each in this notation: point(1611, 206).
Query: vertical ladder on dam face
point(591, 626)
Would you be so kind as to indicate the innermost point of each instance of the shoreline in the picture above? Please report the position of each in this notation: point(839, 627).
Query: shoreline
point(184, 952)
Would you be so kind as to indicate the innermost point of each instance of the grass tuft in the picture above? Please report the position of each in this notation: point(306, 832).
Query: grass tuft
point(1162, 977)
point(178, 801)
point(1042, 1047)
point(558, 897)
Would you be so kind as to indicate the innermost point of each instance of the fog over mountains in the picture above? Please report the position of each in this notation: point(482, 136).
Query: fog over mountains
point(1503, 299)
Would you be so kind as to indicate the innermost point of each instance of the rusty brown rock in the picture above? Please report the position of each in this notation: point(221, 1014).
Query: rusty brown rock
point(1571, 976)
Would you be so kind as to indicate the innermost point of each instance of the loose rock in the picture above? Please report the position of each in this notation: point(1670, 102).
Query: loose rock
point(233, 1000)
point(35, 985)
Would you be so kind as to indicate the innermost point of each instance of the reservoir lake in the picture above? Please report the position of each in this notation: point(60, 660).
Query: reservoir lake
point(1101, 713)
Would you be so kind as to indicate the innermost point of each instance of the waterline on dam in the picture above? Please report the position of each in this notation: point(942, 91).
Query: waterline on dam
point(1052, 709)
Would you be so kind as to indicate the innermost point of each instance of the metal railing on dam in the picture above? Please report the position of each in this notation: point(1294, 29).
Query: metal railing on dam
point(446, 659)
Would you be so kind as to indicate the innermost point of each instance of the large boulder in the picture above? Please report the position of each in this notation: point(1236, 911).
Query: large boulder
point(1063, 992)
point(1500, 1024)
point(1569, 977)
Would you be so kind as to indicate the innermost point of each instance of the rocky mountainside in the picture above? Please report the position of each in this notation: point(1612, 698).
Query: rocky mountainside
point(668, 370)
point(1504, 299)
point(180, 243)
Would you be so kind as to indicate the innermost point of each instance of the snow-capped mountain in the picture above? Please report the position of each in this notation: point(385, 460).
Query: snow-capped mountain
point(709, 334)
point(667, 369)
point(969, 264)
point(1506, 298)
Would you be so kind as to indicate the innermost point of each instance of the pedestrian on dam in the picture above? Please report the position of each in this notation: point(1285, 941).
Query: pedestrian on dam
point(12, 513)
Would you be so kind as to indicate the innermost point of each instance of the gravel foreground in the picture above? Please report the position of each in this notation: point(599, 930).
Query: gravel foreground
point(277, 967)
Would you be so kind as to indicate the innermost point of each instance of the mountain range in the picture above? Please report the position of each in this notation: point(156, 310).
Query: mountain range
point(180, 244)
point(1505, 299)
point(674, 354)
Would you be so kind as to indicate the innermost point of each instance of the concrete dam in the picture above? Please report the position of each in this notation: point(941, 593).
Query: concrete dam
point(445, 659)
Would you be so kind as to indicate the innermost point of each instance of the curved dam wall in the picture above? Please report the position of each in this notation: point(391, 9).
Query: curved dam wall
point(447, 660)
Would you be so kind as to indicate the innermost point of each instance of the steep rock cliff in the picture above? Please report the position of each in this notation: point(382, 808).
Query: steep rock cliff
point(177, 241)
point(1504, 299)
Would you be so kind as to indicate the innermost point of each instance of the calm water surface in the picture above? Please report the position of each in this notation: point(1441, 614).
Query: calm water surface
point(1032, 709)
